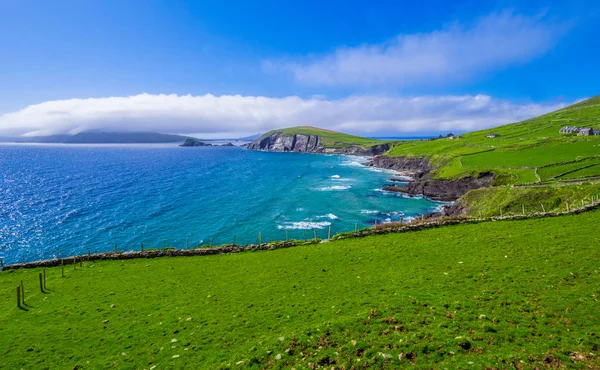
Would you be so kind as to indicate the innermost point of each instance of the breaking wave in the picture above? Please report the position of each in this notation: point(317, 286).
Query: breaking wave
point(335, 187)
point(330, 216)
point(304, 225)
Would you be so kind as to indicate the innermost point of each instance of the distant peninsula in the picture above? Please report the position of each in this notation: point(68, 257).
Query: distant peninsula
point(100, 137)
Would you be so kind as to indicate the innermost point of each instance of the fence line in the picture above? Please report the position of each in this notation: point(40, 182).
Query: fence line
point(418, 223)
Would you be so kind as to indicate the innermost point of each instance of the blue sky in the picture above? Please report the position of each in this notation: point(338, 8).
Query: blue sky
point(378, 67)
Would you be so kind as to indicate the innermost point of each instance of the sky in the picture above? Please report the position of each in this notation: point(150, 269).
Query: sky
point(235, 68)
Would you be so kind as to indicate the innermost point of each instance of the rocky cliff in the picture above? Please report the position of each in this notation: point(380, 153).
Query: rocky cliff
point(415, 167)
point(444, 190)
point(301, 143)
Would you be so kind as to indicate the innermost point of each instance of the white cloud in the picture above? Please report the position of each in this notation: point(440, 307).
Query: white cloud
point(233, 115)
point(453, 54)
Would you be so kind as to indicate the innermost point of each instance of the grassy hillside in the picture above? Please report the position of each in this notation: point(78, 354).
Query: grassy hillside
point(487, 202)
point(505, 294)
point(521, 149)
point(331, 139)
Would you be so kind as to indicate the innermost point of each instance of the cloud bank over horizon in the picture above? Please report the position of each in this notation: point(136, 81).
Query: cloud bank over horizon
point(235, 115)
point(455, 53)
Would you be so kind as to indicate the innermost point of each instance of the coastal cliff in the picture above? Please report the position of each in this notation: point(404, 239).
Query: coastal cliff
point(306, 143)
point(419, 169)
point(444, 190)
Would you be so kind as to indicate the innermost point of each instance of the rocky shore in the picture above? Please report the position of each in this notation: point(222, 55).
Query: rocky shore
point(419, 170)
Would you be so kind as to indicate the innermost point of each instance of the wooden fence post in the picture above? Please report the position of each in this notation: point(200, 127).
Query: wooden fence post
point(19, 296)
point(582, 203)
point(315, 230)
point(259, 239)
point(211, 240)
point(356, 226)
point(287, 235)
point(62, 266)
point(329, 233)
point(1, 263)
point(80, 260)
point(500, 211)
point(22, 292)
point(74, 263)
point(304, 235)
point(41, 283)
point(543, 209)
point(44, 271)
point(523, 207)
point(186, 244)
point(234, 240)
point(165, 244)
point(568, 207)
point(89, 254)
point(142, 247)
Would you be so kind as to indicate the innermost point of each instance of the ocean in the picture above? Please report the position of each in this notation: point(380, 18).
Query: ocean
point(60, 200)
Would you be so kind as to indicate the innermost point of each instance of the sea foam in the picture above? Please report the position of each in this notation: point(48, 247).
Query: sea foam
point(304, 225)
point(330, 216)
point(335, 187)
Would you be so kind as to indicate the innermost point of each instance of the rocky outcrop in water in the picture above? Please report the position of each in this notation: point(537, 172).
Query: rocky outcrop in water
point(301, 143)
point(415, 167)
point(444, 190)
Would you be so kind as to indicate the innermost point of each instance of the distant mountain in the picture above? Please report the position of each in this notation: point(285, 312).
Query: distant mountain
point(98, 137)
point(250, 138)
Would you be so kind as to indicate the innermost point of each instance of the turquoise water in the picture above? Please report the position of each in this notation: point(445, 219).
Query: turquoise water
point(60, 200)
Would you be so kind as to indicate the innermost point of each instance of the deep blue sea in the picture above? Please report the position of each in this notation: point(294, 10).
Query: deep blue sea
point(59, 200)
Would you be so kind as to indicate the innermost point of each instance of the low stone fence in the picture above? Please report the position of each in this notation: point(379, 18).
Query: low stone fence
point(396, 227)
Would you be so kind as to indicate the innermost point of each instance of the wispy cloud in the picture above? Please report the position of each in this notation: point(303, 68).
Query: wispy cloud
point(234, 114)
point(455, 53)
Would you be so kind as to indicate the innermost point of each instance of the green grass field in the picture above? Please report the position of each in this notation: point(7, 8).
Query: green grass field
point(487, 202)
point(506, 294)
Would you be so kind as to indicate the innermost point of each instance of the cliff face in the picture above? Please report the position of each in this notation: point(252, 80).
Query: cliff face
point(301, 143)
point(445, 190)
point(415, 167)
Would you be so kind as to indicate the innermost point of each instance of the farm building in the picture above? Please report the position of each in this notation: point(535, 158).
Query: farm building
point(585, 131)
point(569, 129)
point(491, 136)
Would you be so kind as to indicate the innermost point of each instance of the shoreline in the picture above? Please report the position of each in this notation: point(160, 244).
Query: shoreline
point(395, 227)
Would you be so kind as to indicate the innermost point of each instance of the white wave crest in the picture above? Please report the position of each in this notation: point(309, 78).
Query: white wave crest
point(335, 176)
point(335, 187)
point(304, 225)
point(394, 213)
point(368, 212)
point(330, 216)
point(352, 163)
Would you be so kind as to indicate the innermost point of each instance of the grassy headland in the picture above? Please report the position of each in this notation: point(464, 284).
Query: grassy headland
point(330, 139)
point(504, 294)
